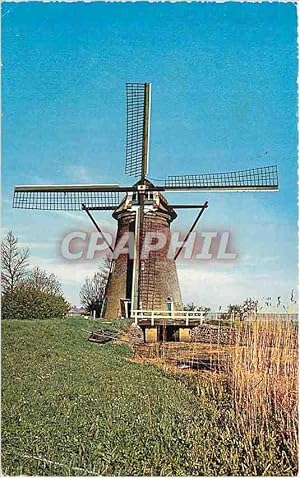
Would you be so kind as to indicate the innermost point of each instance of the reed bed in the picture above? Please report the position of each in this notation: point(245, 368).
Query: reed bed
point(253, 385)
point(262, 380)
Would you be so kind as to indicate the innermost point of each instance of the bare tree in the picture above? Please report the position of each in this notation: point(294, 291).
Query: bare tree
point(39, 279)
point(92, 292)
point(248, 307)
point(14, 262)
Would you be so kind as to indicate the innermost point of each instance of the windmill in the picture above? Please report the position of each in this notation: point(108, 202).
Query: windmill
point(140, 207)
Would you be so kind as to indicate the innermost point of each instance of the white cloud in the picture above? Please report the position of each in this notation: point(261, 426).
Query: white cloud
point(256, 261)
point(80, 217)
point(216, 287)
point(4, 231)
point(67, 272)
point(270, 259)
point(79, 173)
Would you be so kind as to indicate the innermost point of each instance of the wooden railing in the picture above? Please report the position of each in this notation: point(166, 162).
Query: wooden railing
point(191, 317)
point(159, 316)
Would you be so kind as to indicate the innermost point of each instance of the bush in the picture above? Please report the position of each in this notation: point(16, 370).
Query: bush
point(27, 302)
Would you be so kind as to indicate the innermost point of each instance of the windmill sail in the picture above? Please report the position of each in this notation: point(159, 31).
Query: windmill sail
point(67, 197)
point(138, 126)
point(258, 179)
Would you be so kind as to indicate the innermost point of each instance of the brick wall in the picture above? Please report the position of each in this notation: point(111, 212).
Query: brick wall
point(118, 282)
point(158, 274)
point(159, 278)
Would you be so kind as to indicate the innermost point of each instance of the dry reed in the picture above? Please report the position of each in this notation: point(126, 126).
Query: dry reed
point(253, 383)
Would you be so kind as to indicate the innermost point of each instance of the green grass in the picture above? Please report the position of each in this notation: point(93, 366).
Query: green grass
point(90, 410)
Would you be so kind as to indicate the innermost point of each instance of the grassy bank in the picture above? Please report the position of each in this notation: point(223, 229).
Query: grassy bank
point(70, 407)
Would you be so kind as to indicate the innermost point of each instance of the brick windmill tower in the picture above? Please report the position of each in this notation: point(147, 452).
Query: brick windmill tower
point(158, 279)
point(148, 281)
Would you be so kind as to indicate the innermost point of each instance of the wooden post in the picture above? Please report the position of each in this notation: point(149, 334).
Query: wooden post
point(164, 334)
point(136, 255)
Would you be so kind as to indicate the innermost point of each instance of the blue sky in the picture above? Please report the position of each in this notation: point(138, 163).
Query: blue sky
point(223, 94)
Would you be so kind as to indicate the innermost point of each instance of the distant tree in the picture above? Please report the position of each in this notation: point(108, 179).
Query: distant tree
point(39, 279)
point(92, 292)
point(28, 294)
point(197, 308)
point(234, 310)
point(14, 262)
point(249, 306)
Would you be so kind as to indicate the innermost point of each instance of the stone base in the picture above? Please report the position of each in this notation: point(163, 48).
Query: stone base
point(135, 335)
